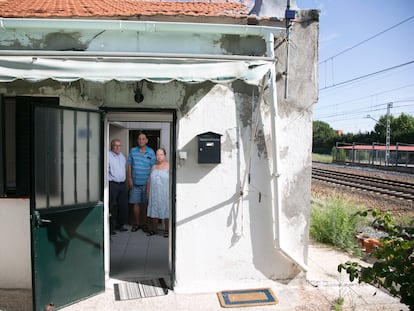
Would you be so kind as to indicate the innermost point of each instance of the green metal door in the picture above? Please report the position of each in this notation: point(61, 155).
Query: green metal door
point(67, 212)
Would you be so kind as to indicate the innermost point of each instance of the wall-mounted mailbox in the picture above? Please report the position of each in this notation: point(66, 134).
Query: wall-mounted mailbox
point(209, 148)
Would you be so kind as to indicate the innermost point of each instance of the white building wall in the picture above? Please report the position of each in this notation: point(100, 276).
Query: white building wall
point(15, 257)
point(223, 238)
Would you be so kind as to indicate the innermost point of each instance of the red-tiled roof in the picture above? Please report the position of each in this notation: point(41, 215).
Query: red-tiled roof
point(120, 8)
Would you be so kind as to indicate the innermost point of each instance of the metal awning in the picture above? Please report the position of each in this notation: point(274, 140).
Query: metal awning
point(95, 69)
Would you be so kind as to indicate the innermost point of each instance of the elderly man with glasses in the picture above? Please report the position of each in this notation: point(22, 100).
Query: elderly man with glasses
point(118, 190)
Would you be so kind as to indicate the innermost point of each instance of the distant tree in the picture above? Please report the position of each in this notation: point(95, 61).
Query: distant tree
point(380, 129)
point(346, 138)
point(323, 136)
point(404, 129)
point(401, 129)
point(363, 138)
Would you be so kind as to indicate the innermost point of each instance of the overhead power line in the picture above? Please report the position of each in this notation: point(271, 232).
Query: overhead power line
point(397, 104)
point(363, 97)
point(366, 40)
point(366, 76)
point(349, 113)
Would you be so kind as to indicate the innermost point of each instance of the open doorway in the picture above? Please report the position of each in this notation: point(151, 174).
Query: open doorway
point(135, 255)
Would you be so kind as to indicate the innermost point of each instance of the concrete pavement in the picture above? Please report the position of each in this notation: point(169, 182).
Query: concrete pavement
point(323, 286)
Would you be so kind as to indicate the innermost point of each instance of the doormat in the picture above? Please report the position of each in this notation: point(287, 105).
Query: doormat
point(140, 289)
point(247, 298)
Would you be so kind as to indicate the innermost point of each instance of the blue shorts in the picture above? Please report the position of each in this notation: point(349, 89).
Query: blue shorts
point(138, 194)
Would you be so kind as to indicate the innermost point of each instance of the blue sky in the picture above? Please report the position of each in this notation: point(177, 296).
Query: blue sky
point(368, 28)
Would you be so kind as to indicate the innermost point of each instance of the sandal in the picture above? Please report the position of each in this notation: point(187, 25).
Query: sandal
point(151, 233)
point(137, 227)
point(165, 233)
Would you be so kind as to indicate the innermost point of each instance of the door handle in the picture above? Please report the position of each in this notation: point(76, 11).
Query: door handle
point(39, 221)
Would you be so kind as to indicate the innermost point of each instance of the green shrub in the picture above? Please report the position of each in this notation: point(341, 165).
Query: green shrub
point(338, 304)
point(394, 265)
point(339, 154)
point(334, 221)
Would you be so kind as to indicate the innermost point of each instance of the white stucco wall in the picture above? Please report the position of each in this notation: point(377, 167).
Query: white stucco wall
point(295, 128)
point(223, 239)
point(15, 258)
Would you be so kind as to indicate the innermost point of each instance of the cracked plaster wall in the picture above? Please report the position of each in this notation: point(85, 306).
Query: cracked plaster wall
point(131, 41)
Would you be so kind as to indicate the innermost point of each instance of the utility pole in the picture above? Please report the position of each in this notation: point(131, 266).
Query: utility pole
point(388, 134)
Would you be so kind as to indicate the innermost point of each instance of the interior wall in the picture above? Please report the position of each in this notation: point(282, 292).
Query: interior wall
point(121, 133)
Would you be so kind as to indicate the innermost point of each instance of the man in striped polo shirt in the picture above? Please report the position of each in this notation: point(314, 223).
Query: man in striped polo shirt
point(140, 161)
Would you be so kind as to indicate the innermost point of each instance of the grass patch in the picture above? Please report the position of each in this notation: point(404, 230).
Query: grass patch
point(324, 158)
point(333, 221)
point(338, 304)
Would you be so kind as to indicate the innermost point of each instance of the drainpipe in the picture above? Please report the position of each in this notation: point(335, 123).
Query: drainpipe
point(276, 197)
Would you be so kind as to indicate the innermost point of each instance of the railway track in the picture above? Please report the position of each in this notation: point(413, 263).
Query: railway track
point(398, 189)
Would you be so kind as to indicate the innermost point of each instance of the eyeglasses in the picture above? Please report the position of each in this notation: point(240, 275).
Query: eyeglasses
point(117, 145)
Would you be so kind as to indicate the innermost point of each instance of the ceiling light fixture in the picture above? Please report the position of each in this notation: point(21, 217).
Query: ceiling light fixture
point(138, 96)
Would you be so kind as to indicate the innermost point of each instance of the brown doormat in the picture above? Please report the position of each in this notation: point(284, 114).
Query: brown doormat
point(247, 298)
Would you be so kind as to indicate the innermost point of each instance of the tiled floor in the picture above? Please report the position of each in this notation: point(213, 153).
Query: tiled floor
point(136, 256)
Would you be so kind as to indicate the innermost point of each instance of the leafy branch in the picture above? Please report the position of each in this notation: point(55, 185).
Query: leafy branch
point(393, 269)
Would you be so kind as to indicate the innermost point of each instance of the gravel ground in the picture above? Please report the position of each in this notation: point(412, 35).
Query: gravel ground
point(401, 209)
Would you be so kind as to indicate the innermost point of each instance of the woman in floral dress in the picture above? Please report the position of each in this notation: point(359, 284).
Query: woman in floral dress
point(158, 193)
